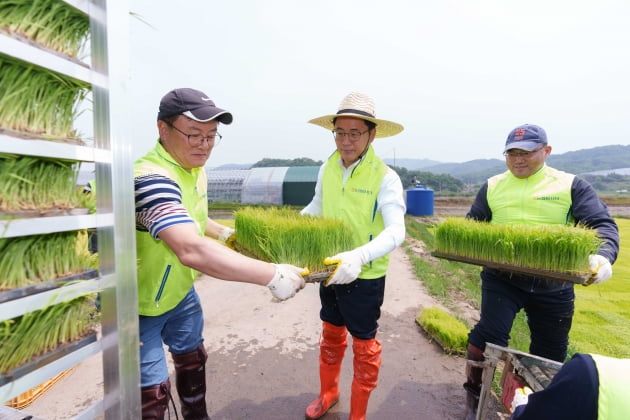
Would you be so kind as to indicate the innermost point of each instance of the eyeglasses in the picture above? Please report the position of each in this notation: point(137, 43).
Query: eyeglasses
point(353, 135)
point(195, 140)
point(513, 154)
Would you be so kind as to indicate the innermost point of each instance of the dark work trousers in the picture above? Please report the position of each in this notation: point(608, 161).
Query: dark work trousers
point(548, 305)
point(356, 305)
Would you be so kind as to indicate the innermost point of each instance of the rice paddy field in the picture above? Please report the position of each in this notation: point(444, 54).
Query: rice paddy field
point(602, 312)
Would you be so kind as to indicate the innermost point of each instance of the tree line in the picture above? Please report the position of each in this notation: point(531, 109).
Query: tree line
point(442, 183)
point(448, 184)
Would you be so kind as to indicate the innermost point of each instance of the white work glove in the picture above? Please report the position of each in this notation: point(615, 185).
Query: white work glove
point(228, 236)
point(287, 281)
point(600, 268)
point(521, 396)
point(348, 266)
point(226, 233)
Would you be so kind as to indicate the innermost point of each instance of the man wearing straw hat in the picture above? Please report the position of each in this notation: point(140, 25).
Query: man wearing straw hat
point(173, 246)
point(356, 186)
point(532, 193)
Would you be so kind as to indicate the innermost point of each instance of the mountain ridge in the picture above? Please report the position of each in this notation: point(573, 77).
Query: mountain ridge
point(596, 160)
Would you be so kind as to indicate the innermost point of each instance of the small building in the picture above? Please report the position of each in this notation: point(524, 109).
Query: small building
point(272, 185)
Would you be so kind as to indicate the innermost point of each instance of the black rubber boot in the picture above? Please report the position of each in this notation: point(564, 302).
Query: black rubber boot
point(155, 400)
point(473, 382)
point(190, 380)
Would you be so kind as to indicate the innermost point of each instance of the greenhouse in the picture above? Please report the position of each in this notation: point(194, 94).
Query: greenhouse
point(274, 185)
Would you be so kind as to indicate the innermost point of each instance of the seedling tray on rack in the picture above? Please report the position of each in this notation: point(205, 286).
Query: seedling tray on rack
point(46, 358)
point(20, 292)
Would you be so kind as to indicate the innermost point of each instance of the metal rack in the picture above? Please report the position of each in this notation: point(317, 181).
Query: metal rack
point(111, 155)
point(536, 371)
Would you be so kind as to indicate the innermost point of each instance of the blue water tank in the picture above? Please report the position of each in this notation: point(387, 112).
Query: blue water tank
point(420, 201)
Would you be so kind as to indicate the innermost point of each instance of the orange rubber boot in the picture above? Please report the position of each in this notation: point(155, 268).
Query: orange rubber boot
point(331, 350)
point(367, 363)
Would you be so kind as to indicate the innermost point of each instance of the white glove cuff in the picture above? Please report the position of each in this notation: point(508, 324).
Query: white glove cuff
point(226, 233)
point(278, 285)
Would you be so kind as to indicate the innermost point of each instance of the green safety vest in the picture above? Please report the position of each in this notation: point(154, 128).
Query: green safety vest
point(355, 203)
point(163, 281)
point(542, 199)
point(613, 401)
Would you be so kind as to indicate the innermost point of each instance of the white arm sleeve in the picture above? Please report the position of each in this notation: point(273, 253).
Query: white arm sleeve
point(314, 208)
point(391, 204)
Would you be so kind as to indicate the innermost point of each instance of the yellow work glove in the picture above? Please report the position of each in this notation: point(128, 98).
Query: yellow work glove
point(348, 266)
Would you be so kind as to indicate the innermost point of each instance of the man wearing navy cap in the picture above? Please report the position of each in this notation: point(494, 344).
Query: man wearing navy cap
point(532, 193)
point(173, 243)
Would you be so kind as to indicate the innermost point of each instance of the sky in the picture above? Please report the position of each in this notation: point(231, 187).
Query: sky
point(457, 74)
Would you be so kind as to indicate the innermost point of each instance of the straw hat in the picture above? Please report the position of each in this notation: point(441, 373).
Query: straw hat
point(359, 105)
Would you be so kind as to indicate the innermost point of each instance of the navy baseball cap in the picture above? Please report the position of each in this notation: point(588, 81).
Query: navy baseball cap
point(192, 103)
point(526, 137)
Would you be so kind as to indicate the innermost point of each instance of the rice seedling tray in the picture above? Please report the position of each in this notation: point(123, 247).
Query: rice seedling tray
point(25, 399)
point(12, 294)
point(30, 214)
point(280, 235)
point(46, 358)
point(553, 275)
point(311, 277)
point(23, 135)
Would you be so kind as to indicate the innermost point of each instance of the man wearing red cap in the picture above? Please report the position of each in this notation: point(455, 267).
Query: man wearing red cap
point(532, 193)
point(173, 242)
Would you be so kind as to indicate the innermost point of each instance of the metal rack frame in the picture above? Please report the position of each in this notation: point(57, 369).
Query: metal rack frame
point(513, 361)
point(114, 219)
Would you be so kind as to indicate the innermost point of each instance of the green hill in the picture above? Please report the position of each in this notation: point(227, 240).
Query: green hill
point(577, 162)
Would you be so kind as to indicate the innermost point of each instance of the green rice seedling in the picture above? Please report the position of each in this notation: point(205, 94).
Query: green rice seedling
point(30, 183)
point(281, 235)
point(554, 248)
point(448, 331)
point(38, 332)
point(37, 101)
point(50, 23)
point(28, 260)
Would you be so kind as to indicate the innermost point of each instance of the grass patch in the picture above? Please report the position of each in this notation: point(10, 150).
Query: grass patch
point(448, 331)
point(602, 312)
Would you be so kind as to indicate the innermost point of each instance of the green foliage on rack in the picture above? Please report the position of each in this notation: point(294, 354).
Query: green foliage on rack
point(38, 102)
point(38, 332)
point(51, 23)
point(30, 183)
point(282, 235)
point(28, 260)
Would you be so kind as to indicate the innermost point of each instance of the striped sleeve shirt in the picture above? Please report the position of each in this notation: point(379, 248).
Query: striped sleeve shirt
point(158, 204)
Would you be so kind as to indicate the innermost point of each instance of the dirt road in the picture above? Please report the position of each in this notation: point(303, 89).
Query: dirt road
point(263, 358)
